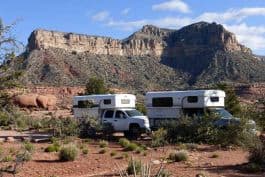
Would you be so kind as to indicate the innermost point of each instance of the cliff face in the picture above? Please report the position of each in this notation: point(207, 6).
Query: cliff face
point(150, 40)
point(150, 59)
point(134, 46)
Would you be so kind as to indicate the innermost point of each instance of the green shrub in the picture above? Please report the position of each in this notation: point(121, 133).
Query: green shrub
point(87, 140)
point(164, 173)
point(68, 153)
point(29, 146)
point(125, 155)
point(178, 156)
point(85, 151)
point(12, 150)
point(63, 127)
point(124, 142)
point(257, 153)
point(113, 153)
point(134, 167)
point(95, 86)
point(7, 158)
point(131, 147)
point(102, 151)
point(139, 150)
point(252, 168)
point(1, 151)
point(53, 148)
point(159, 138)
point(54, 140)
point(232, 103)
point(4, 119)
point(103, 144)
point(141, 107)
point(191, 146)
point(25, 156)
point(81, 146)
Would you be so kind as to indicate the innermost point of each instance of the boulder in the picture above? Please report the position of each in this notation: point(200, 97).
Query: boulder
point(27, 100)
point(46, 101)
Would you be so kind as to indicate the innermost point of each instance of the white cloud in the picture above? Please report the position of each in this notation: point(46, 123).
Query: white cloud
point(232, 19)
point(101, 16)
point(251, 36)
point(127, 25)
point(168, 22)
point(125, 11)
point(237, 15)
point(172, 5)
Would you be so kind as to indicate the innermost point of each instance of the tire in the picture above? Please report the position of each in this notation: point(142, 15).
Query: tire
point(134, 132)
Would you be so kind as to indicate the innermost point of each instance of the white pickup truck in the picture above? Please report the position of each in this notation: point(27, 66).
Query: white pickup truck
point(117, 110)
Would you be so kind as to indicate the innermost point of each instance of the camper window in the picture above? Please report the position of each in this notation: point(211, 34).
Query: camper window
point(85, 104)
point(192, 99)
point(107, 101)
point(214, 99)
point(125, 101)
point(109, 114)
point(162, 102)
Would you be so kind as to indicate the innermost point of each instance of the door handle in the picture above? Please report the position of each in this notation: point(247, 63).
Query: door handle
point(104, 120)
point(115, 120)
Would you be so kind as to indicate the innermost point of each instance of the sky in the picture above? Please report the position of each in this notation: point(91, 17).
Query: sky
point(120, 18)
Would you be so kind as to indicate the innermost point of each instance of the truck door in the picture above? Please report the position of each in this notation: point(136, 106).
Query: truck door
point(120, 121)
point(108, 117)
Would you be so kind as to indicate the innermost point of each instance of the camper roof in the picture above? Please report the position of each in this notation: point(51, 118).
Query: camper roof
point(188, 93)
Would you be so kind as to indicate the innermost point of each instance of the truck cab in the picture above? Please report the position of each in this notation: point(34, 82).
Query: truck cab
point(124, 120)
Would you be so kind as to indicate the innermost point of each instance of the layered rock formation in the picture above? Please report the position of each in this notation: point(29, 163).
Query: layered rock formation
point(43, 39)
point(150, 59)
point(150, 40)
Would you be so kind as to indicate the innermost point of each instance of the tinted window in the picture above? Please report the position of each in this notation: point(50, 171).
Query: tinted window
point(132, 113)
point(109, 114)
point(120, 115)
point(108, 101)
point(162, 102)
point(192, 99)
point(214, 99)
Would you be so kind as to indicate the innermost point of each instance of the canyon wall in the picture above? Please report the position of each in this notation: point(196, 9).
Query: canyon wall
point(150, 40)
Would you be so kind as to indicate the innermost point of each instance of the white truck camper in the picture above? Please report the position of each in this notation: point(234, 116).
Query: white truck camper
point(168, 105)
point(115, 109)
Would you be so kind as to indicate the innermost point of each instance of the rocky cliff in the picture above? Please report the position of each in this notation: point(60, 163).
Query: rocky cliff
point(150, 40)
point(132, 46)
point(150, 59)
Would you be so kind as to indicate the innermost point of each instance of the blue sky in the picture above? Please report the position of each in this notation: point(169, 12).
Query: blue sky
point(119, 18)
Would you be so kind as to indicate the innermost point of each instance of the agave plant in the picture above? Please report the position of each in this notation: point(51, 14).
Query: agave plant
point(139, 169)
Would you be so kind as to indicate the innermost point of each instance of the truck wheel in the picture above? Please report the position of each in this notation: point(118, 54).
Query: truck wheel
point(134, 132)
point(91, 132)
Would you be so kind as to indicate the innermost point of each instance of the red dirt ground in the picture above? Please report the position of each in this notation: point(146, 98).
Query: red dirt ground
point(45, 164)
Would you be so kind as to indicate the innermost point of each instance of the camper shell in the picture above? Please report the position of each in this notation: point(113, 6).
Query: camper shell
point(93, 105)
point(166, 105)
point(117, 110)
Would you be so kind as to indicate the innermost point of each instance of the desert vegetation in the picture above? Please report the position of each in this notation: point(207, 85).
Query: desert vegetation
point(173, 145)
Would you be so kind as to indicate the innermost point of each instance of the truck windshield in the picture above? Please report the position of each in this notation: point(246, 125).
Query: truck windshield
point(222, 113)
point(132, 113)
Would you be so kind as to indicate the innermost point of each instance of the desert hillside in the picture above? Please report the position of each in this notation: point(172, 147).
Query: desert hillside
point(150, 59)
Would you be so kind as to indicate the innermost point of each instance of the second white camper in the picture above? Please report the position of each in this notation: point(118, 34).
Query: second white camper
point(168, 105)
